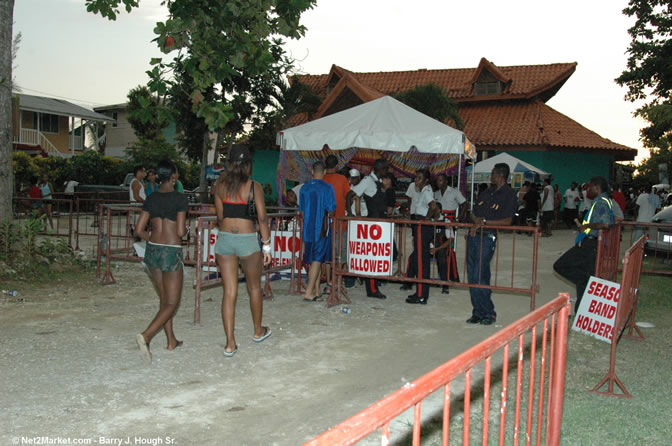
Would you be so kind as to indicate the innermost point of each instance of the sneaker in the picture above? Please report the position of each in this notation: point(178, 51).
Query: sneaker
point(473, 320)
point(487, 321)
point(445, 290)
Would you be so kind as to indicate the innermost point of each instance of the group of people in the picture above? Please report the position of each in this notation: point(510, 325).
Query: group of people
point(145, 182)
point(41, 193)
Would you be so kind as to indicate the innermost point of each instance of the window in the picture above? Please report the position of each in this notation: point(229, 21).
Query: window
point(48, 123)
point(115, 116)
point(487, 88)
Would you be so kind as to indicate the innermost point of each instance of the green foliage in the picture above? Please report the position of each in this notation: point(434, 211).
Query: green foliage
point(432, 101)
point(93, 168)
point(25, 169)
point(648, 76)
point(145, 114)
point(110, 8)
point(647, 170)
point(23, 254)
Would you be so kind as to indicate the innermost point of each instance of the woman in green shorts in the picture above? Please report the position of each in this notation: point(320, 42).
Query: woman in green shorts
point(167, 212)
point(238, 243)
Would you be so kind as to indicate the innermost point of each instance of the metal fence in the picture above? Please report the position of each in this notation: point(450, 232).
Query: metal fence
point(538, 395)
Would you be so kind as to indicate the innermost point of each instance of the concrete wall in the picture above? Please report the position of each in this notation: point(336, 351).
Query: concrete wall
point(567, 166)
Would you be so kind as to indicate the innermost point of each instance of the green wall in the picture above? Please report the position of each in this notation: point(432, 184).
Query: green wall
point(265, 168)
point(567, 167)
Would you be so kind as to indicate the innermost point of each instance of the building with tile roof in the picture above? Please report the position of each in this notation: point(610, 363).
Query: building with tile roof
point(503, 108)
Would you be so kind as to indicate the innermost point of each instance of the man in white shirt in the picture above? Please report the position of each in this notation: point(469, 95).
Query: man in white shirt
point(586, 203)
point(647, 203)
point(571, 201)
point(358, 206)
point(547, 208)
point(452, 201)
point(136, 190)
point(70, 186)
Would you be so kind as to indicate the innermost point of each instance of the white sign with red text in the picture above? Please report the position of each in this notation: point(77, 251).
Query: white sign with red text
point(597, 312)
point(284, 244)
point(370, 247)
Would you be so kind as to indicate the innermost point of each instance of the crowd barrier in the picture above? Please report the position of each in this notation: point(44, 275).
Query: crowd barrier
point(511, 241)
point(61, 215)
point(608, 253)
point(658, 244)
point(285, 245)
point(543, 419)
point(626, 310)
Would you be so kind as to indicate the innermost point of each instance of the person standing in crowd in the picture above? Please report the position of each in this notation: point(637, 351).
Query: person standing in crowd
point(578, 263)
point(136, 190)
point(547, 208)
point(452, 201)
point(646, 206)
point(422, 201)
point(317, 201)
point(47, 190)
point(557, 202)
point(36, 204)
point(355, 205)
point(444, 254)
point(423, 250)
point(292, 198)
point(370, 188)
point(167, 213)
point(152, 186)
point(571, 203)
point(70, 186)
point(532, 205)
point(522, 219)
point(495, 206)
point(341, 189)
point(390, 194)
point(239, 203)
point(618, 197)
point(586, 203)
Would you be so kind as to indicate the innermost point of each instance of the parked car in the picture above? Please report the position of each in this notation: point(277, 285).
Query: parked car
point(660, 239)
point(112, 192)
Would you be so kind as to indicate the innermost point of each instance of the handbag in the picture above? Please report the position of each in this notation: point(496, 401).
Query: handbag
point(251, 205)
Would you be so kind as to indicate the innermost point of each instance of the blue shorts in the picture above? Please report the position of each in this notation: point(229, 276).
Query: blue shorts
point(241, 245)
point(318, 251)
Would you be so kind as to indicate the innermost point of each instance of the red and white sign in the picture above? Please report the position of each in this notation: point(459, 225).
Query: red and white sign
point(597, 311)
point(370, 247)
point(283, 245)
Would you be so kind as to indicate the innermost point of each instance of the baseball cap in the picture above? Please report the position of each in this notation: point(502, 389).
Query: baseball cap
point(239, 153)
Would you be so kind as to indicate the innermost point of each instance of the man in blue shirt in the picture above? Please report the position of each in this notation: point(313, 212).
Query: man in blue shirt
point(317, 201)
point(578, 263)
point(495, 206)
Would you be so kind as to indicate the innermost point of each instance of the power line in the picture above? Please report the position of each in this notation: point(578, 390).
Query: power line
point(63, 97)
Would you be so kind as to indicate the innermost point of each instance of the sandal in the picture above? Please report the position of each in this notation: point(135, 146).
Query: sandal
point(267, 333)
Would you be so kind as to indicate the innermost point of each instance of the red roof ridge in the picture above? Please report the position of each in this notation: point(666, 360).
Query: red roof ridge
point(485, 64)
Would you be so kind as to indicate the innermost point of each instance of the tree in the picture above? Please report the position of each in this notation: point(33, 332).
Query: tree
point(648, 77)
point(431, 100)
point(225, 47)
point(6, 171)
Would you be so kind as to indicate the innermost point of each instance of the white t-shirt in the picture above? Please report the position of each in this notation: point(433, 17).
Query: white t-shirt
point(70, 186)
point(547, 205)
point(366, 186)
point(420, 200)
point(647, 207)
point(142, 194)
point(450, 200)
point(362, 208)
point(571, 198)
point(587, 203)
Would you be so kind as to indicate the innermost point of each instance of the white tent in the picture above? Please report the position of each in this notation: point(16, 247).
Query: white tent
point(515, 165)
point(382, 124)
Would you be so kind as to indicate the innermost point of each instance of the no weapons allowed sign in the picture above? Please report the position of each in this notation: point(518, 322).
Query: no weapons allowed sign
point(370, 247)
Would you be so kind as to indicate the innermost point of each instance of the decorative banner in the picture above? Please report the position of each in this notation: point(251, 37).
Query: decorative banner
point(370, 247)
point(597, 311)
point(283, 245)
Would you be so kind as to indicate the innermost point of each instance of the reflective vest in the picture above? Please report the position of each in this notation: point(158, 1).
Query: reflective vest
point(581, 235)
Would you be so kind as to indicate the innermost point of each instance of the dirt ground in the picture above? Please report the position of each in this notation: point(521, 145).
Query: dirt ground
point(71, 368)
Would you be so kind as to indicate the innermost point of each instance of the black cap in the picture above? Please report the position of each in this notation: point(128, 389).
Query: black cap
point(239, 152)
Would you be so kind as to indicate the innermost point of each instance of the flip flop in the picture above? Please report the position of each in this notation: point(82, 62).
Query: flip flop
point(231, 353)
point(267, 333)
point(314, 299)
point(144, 348)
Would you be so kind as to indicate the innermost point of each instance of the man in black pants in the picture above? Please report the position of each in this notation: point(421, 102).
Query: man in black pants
point(371, 190)
point(578, 263)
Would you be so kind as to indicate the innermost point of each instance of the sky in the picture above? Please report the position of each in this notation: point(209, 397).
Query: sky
point(69, 53)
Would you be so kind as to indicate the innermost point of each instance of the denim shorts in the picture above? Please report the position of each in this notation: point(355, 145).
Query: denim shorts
point(167, 258)
point(241, 245)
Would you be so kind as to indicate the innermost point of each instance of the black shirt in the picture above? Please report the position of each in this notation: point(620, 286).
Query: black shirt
point(495, 204)
point(390, 198)
point(165, 205)
point(531, 200)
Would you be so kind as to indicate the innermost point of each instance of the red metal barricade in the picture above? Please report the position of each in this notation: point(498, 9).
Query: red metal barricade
point(608, 253)
point(509, 241)
point(548, 395)
point(626, 310)
point(658, 244)
point(60, 221)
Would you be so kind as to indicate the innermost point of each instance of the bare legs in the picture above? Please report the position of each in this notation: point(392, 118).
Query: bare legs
point(313, 287)
point(169, 287)
point(252, 265)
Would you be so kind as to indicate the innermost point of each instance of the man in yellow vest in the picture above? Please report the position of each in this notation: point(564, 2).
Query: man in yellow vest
point(578, 263)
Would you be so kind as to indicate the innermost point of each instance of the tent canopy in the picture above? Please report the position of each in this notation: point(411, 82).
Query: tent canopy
point(383, 124)
point(515, 165)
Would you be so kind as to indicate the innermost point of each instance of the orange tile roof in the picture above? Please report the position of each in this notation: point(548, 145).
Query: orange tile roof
point(532, 124)
point(527, 81)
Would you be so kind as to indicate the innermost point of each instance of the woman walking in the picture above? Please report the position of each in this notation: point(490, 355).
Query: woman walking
point(47, 190)
point(167, 212)
point(236, 207)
